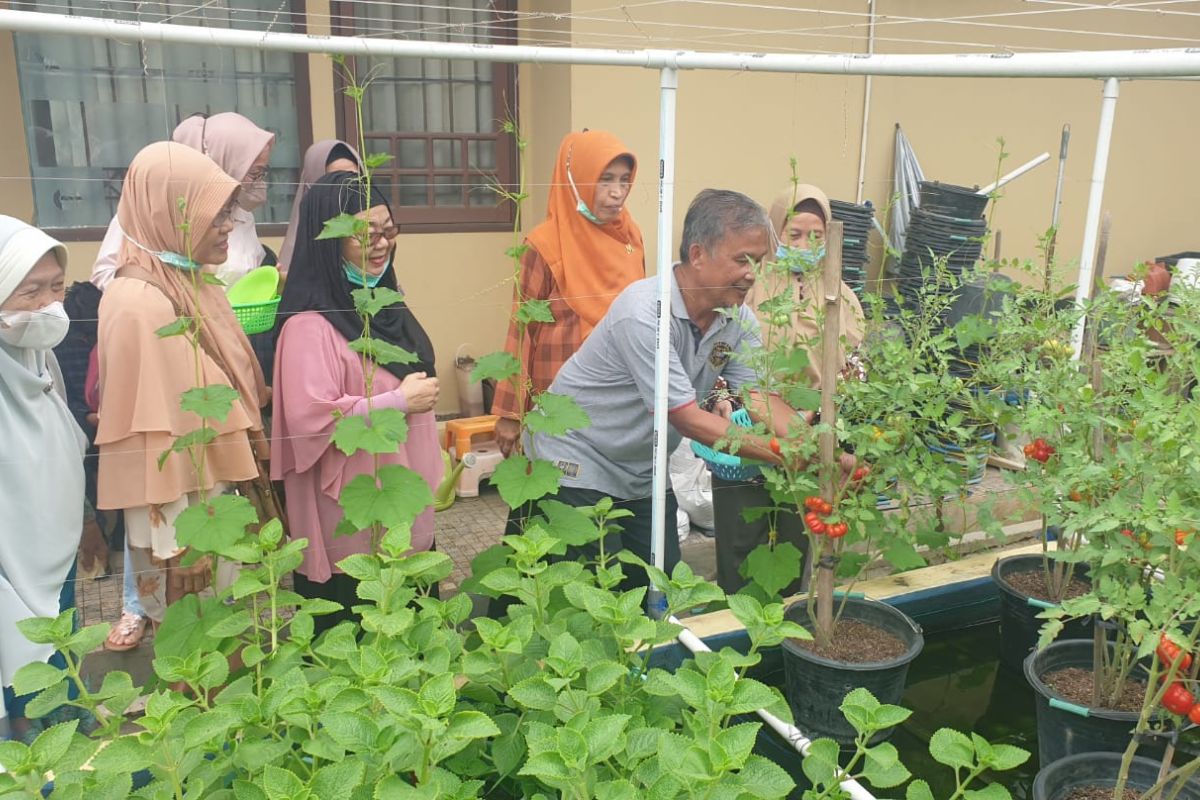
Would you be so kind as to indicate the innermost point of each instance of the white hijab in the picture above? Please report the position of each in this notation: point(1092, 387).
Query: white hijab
point(41, 469)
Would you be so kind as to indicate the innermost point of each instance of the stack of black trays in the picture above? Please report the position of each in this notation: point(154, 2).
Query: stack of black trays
point(944, 239)
point(856, 231)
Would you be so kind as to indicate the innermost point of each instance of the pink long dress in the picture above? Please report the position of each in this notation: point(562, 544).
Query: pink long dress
point(316, 374)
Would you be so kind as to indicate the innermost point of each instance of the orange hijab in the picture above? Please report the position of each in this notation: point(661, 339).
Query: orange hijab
point(591, 263)
point(149, 213)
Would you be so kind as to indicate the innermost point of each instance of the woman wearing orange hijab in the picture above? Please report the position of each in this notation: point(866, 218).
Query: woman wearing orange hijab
point(142, 375)
point(580, 258)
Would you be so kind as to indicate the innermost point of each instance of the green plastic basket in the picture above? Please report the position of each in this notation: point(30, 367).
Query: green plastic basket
point(256, 317)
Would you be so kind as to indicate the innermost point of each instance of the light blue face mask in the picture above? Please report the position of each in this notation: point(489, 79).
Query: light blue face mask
point(802, 260)
point(354, 274)
point(176, 260)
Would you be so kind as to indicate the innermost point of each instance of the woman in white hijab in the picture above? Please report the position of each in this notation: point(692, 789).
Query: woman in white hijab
point(41, 463)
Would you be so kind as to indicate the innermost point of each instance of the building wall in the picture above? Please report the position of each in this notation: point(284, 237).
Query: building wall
point(739, 130)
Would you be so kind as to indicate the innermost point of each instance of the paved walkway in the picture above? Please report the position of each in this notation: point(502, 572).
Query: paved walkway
point(463, 531)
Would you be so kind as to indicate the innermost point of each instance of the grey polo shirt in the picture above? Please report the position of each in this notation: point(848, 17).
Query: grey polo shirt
point(612, 378)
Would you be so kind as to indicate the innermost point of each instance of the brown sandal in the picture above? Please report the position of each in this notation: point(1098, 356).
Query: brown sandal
point(127, 633)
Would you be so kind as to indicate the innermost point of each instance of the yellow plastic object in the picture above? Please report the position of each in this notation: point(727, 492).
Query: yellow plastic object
point(256, 286)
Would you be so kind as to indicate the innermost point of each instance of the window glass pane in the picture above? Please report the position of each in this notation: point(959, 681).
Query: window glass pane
point(90, 104)
point(480, 193)
point(413, 190)
point(447, 153)
point(412, 154)
point(481, 154)
point(447, 190)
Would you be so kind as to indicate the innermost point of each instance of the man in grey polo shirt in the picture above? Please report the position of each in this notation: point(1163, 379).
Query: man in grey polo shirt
point(612, 375)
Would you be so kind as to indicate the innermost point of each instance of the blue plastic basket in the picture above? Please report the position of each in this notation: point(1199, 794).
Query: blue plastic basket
point(952, 454)
point(725, 466)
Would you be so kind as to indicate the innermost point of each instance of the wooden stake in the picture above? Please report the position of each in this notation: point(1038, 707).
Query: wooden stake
point(831, 287)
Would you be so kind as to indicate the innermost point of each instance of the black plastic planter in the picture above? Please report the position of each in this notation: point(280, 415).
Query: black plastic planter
point(1019, 623)
point(1065, 728)
point(816, 686)
point(1057, 780)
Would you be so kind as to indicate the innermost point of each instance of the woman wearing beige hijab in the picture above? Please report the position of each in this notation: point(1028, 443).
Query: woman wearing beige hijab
point(142, 375)
point(798, 216)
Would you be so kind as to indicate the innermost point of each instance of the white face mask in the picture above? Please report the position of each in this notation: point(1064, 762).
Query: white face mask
point(35, 330)
point(253, 195)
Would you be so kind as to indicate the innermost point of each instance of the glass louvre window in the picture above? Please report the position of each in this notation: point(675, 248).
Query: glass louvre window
point(440, 121)
point(89, 105)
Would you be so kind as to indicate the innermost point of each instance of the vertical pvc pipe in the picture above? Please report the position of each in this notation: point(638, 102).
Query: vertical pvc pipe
point(668, 83)
point(866, 108)
point(1091, 225)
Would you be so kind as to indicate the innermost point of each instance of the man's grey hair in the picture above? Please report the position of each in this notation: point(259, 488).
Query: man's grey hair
point(715, 213)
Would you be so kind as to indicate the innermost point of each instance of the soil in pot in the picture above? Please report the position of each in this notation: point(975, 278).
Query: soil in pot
point(1033, 583)
point(856, 642)
point(1075, 684)
point(1100, 793)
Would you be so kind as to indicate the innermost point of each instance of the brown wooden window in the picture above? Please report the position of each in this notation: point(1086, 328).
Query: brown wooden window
point(440, 121)
point(90, 105)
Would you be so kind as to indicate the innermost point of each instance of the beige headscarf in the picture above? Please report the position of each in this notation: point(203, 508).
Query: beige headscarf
point(234, 142)
point(143, 375)
point(809, 288)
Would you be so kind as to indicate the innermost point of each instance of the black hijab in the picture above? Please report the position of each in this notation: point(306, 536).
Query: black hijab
point(317, 282)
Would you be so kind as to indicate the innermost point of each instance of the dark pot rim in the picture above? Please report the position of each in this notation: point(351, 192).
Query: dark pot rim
point(1047, 772)
point(914, 649)
point(1039, 686)
point(999, 564)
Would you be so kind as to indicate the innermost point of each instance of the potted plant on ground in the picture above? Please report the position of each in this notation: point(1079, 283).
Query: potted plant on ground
point(1128, 687)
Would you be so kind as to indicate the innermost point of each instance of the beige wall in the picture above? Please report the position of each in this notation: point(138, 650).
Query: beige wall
point(738, 130)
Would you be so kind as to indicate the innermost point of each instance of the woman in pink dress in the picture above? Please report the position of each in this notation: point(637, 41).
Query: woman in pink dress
point(319, 378)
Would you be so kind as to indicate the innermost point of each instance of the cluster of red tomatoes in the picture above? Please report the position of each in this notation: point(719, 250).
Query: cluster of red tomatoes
point(1181, 537)
point(1039, 450)
point(1177, 699)
point(816, 517)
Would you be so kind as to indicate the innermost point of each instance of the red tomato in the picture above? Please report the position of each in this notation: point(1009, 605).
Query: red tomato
point(775, 446)
point(825, 508)
point(1194, 715)
point(838, 529)
point(1178, 700)
point(860, 473)
point(1169, 653)
point(812, 503)
point(1181, 537)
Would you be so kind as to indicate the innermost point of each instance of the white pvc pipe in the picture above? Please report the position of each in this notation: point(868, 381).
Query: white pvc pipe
point(1164, 63)
point(1016, 173)
point(1091, 224)
point(790, 732)
point(668, 84)
point(866, 111)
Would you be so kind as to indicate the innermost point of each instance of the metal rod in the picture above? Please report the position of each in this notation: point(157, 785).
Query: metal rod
point(1091, 225)
point(1179, 62)
point(790, 732)
point(668, 84)
point(1016, 173)
point(1062, 168)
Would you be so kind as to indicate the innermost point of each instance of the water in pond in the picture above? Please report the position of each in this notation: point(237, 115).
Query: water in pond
point(957, 682)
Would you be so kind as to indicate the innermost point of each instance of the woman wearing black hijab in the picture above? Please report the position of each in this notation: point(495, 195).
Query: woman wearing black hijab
point(318, 378)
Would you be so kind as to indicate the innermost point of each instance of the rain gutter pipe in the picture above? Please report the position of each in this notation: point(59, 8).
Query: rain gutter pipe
point(1091, 224)
point(668, 84)
point(866, 108)
point(789, 732)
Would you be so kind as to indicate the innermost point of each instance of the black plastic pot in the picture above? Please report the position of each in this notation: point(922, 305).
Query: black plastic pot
point(1065, 728)
point(1019, 623)
point(1057, 780)
point(816, 686)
